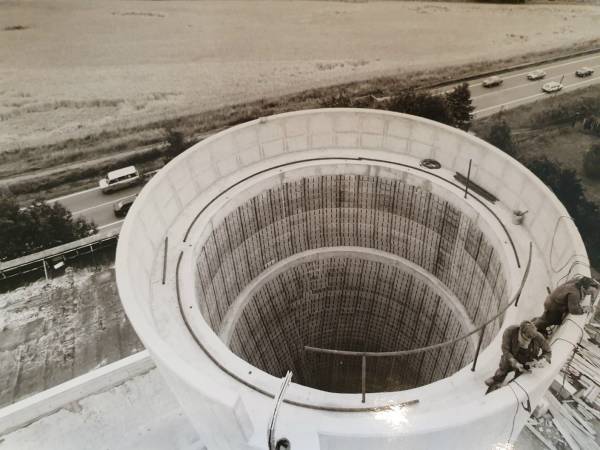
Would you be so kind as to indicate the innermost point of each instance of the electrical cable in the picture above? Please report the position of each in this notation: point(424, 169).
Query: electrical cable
point(578, 326)
point(528, 409)
point(573, 264)
point(512, 428)
point(574, 351)
point(574, 255)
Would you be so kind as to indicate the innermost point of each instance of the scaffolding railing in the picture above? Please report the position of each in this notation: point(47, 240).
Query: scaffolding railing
point(480, 329)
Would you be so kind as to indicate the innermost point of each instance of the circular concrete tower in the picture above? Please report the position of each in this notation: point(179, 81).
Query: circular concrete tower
point(348, 247)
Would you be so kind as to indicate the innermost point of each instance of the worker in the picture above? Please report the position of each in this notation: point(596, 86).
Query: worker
point(566, 299)
point(521, 345)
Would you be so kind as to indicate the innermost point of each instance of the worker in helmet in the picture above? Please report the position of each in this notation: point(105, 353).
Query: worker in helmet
point(566, 299)
point(521, 345)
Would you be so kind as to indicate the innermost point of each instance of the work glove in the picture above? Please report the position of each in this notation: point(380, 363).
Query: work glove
point(539, 364)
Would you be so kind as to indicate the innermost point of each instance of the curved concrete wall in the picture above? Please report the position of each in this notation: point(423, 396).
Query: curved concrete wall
point(227, 401)
point(351, 300)
point(379, 213)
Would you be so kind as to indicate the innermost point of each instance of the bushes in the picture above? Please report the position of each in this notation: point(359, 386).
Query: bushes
point(36, 227)
point(339, 99)
point(453, 108)
point(422, 104)
point(461, 108)
point(501, 136)
point(591, 163)
point(175, 144)
point(567, 186)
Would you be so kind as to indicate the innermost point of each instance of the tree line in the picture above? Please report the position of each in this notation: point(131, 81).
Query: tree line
point(36, 226)
point(564, 182)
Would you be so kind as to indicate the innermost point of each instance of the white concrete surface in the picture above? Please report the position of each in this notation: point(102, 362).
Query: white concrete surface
point(227, 400)
point(30, 409)
point(139, 414)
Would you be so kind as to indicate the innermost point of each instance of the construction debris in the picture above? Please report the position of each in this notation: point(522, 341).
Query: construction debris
point(572, 419)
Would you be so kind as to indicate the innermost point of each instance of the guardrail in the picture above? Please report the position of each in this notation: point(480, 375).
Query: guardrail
point(481, 329)
point(72, 250)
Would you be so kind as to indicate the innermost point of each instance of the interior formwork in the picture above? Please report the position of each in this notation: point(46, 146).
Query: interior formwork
point(349, 303)
point(373, 212)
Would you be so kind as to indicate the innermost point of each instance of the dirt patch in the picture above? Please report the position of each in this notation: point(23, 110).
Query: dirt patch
point(53, 331)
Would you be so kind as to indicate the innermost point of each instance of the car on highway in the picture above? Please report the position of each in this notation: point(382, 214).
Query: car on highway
point(492, 81)
point(552, 86)
point(119, 179)
point(121, 208)
point(584, 72)
point(536, 75)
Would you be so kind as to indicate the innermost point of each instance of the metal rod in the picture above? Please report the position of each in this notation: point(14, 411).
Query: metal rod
point(361, 158)
point(278, 399)
point(442, 344)
point(478, 348)
point(364, 378)
point(517, 299)
point(45, 269)
point(164, 274)
point(468, 178)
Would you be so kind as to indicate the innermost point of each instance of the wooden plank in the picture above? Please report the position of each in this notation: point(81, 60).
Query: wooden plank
point(573, 413)
point(590, 410)
point(563, 431)
point(571, 431)
point(539, 435)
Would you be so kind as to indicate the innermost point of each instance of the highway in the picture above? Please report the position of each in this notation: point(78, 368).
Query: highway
point(517, 90)
point(514, 91)
point(94, 205)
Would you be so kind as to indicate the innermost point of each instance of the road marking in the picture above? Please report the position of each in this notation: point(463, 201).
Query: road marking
point(500, 91)
point(532, 96)
point(101, 204)
point(152, 172)
point(543, 68)
point(509, 103)
point(73, 194)
point(110, 224)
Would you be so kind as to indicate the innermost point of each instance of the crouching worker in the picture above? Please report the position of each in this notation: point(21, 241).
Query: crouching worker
point(521, 345)
point(566, 299)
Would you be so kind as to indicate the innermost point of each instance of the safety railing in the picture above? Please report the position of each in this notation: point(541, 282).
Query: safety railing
point(40, 261)
point(480, 329)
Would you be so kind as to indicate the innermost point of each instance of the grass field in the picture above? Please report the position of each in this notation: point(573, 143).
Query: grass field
point(82, 81)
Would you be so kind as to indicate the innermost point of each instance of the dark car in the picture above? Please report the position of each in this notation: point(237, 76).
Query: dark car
point(122, 206)
point(584, 72)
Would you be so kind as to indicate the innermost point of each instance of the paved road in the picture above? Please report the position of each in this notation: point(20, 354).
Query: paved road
point(515, 90)
point(94, 205)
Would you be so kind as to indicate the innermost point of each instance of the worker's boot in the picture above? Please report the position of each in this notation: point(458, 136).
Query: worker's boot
point(492, 385)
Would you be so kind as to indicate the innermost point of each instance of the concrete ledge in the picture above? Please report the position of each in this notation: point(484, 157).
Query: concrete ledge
point(29, 410)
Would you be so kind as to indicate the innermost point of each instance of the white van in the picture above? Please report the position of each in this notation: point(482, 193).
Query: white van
point(119, 179)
